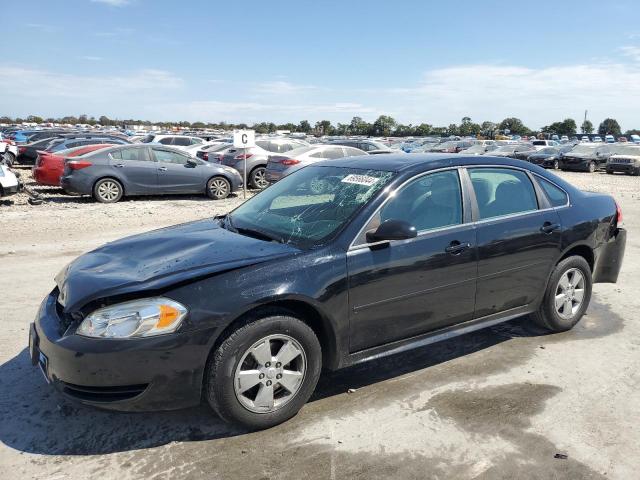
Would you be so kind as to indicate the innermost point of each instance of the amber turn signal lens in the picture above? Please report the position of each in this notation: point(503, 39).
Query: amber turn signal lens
point(168, 315)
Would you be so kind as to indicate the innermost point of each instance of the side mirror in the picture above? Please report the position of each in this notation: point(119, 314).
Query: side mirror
point(191, 163)
point(392, 230)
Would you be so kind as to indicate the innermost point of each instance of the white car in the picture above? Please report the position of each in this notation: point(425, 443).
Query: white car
point(8, 152)
point(540, 144)
point(181, 142)
point(8, 181)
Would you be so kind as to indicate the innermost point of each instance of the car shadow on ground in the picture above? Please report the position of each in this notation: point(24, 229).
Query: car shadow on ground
point(36, 419)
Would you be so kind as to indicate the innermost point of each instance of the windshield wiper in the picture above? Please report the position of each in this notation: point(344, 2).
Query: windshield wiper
point(250, 232)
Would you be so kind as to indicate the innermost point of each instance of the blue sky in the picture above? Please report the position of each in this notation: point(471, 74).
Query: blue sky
point(280, 61)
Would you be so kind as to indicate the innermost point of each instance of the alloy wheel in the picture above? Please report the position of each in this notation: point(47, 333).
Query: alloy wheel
point(260, 178)
point(570, 293)
point(219, 188)
point(109, 190)
point(270, 373)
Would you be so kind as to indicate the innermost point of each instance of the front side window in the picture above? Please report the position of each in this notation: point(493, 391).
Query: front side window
point(167, 156)
point(309, 206)
point(429, 202)
point(502, 191)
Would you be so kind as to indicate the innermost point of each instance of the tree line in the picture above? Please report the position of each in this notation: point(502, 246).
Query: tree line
point(384, 125)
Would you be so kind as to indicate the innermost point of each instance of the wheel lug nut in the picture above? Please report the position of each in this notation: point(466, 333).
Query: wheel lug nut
point(279, 376)
point(268, 364)
point(278, 365)
point(268, 383)
point(261, 376)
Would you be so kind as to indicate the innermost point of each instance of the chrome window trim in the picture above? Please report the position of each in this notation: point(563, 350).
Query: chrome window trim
point(422, 233)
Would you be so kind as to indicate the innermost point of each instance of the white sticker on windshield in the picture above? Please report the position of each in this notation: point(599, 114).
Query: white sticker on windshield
point(365, 180)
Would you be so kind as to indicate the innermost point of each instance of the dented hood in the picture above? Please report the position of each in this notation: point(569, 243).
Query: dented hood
point(158, 259)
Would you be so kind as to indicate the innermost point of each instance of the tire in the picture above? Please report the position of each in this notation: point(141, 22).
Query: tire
point(267, 402)
point(577, 272)
point(609, 171)
point(9, 159)
point(637, 172)
point(258, 179)
point(218, 188)
point(556, 164)
point(591, 168)
point(108, 190)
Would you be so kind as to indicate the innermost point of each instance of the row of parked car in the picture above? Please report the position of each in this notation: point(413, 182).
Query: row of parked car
point(108, 165)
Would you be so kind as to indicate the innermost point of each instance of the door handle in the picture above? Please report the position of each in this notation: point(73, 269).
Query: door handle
point(163, 169)
point(549, 227)
point(119, 165)
point(456, 248)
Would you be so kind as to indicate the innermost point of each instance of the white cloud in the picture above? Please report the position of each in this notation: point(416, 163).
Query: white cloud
point(90, 58)
point(631, 51)
point(113, 3)
point(18, 82)
point(281, 87)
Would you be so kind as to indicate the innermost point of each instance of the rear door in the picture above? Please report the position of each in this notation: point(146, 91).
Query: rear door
point(176, 174)
point(137, 169)
point(518, 236)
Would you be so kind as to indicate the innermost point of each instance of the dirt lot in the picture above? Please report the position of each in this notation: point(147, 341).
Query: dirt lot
point(499, 403)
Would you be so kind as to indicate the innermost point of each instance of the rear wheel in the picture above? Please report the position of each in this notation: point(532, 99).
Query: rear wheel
point(556, 164)
point(567, 296)
point(609, 171)
point(258, 178)
point(218, 188)
point(107, 190)
point(264, 372)
point(591, 167)
point(9, 159)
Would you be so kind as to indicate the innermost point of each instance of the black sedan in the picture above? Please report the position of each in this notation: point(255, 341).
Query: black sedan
point(548, 157)
point(244, 310)
point(586, 157)
point(146, 169)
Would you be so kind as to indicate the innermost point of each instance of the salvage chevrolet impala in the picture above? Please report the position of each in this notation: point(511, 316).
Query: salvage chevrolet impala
point(394, 252)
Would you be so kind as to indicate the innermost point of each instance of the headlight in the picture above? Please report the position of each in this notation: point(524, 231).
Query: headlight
point(138, 318)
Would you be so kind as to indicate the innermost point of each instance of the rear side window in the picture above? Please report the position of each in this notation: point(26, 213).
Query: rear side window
point(556, 195)
point(166, 141)
point(196, 141)
point(182, 141)
point(501, 191)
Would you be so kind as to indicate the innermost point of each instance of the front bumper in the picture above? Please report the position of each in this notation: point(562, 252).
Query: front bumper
point(155, 373)
point(623, 167)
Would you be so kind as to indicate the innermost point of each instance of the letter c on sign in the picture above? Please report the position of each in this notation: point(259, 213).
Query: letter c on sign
point(244, 138)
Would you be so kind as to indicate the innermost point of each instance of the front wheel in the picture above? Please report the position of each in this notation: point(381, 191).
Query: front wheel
point(556, 164)
point(591, 167)
point(218, 188)
point(263, 372)
point(567, 296)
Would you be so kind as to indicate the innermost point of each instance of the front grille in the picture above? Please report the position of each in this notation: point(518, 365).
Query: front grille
point(103, 394)
point(620, 160)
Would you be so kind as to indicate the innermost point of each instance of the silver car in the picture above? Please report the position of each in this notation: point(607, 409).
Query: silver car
point(279, 166)
point(258, 156)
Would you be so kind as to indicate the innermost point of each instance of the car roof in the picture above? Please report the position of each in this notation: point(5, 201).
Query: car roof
point(418, 162)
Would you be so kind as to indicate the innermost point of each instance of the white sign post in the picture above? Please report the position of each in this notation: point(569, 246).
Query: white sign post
point(244, 139)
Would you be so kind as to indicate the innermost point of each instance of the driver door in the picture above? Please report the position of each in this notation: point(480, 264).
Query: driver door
point(409, 287)
point(176, 174)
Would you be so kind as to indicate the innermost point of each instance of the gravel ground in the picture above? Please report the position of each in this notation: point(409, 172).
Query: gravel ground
point(499, 403)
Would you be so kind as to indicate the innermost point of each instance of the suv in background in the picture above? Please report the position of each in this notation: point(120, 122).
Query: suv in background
point(372, 147)
point(257, 158)
point(175, 141)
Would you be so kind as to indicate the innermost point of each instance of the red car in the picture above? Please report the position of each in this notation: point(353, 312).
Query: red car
point(50, 165)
